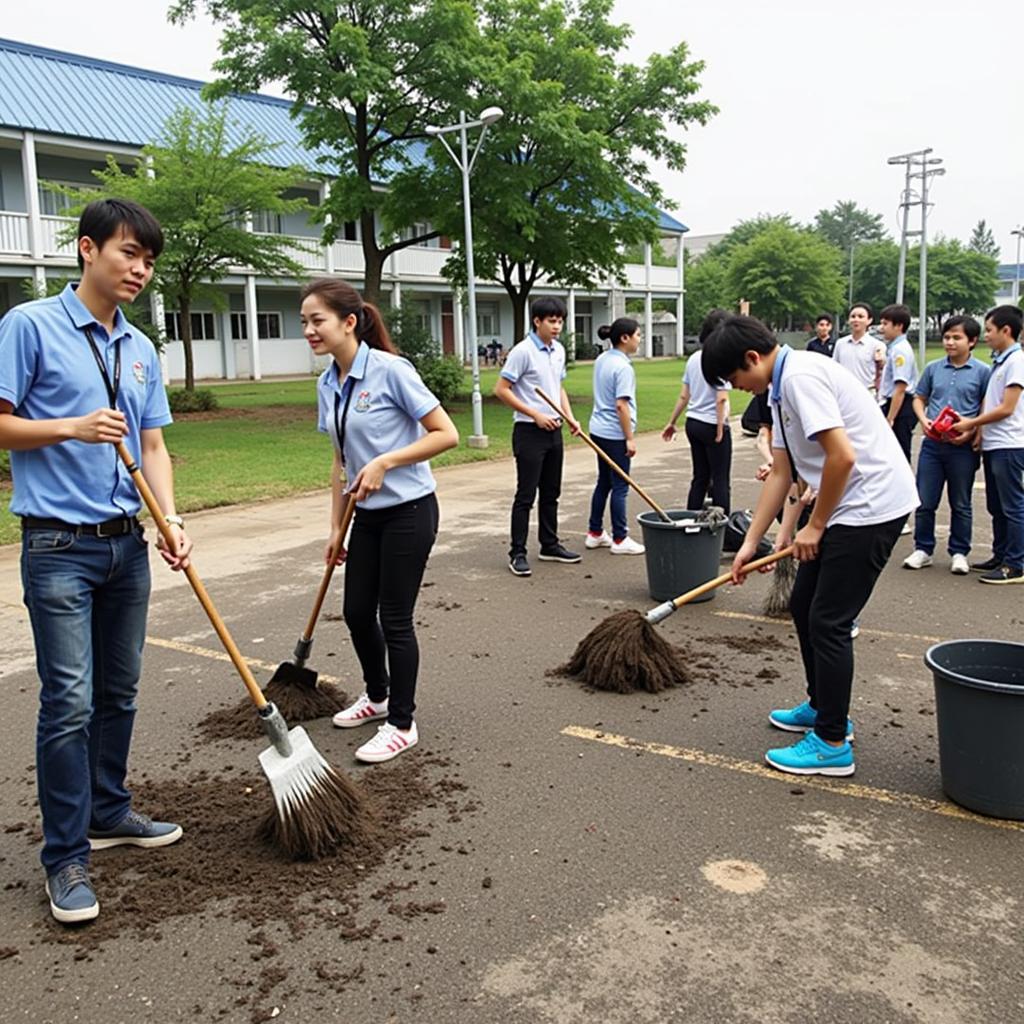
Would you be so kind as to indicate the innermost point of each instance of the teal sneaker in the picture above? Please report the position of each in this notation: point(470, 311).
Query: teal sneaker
point(802, 718)
point(812, 756)
point(72, 899)
point(135, 829)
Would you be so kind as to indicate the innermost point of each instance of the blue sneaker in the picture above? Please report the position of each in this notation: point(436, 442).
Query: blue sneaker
point(135, 829)
point(802, 718)
point(812, 756)
point(72, 899)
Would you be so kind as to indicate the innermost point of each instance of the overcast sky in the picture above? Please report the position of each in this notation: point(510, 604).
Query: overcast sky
point(814, 96)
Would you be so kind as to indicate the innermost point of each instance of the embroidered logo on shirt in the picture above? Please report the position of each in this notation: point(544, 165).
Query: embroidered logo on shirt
point(363, 401)
point(139, 372)
point(900, 360)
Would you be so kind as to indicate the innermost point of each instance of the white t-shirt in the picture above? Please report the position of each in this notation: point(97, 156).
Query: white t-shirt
point(818, 394)
point(1008, 433)
point(703, 397)
point(860, 357)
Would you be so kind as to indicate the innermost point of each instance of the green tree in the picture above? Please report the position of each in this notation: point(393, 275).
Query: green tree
point(562, 186)
point(848, 224)
point(785, 274)
point(960, 279)
point(706, 289)
point(366, 77)
point(203, 187)
point(983, 241)
point(875, 271)
point(747, 230)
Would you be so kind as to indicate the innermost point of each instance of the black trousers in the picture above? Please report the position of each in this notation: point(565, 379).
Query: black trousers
point(538, 456)
point(712, 462)
point(387, 553)
point(903, 425)
point(828, 595)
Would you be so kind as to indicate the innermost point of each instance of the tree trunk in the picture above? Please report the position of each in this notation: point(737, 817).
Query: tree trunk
point(372, 259)
point(185, 326)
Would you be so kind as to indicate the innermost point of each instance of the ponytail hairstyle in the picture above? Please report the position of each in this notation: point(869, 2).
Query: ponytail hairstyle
point(624, 327)
point(343, 300)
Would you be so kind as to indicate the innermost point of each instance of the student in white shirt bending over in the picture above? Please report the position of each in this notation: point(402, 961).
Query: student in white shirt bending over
point(861, 354)
point(833, 435)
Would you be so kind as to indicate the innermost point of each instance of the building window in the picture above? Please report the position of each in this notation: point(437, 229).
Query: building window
point(424, 315)
point(349, 232)
point(55, 204)
point(417, 229)
point(487, 322)
point(584, 325)
point(203, 326)
point(266, 223)
point(268, 325)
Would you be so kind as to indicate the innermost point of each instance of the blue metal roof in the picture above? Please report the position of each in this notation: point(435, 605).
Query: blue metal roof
point(62, 93)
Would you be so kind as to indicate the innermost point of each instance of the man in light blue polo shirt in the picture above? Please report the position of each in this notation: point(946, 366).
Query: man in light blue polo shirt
point(899, 374)
point(75, 378)
point(538, 360)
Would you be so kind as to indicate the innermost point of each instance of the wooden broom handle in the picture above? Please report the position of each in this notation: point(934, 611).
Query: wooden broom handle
point(325, 583)
point(758, 563)
point(611, 462)
point(193, 577)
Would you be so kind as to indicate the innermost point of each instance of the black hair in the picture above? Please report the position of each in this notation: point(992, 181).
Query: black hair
point(541, 309)
point(624, 327)
point(1007, 316)
point(104, 218)
point(344, 301)
point(971, 327)
point(896, 314)
point(862, 305)
point(711, 321)
point(725, 351)
point(825, 316)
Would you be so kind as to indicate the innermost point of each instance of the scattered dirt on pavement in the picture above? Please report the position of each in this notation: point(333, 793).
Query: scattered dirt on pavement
point(296, 703)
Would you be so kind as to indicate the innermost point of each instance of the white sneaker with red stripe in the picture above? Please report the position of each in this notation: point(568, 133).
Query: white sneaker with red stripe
point(364, 710)
point(388, 743)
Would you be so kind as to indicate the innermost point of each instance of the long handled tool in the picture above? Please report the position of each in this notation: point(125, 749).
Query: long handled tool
point(294, 672)
point(316, 806)
point(624, 652)
point(612, 463)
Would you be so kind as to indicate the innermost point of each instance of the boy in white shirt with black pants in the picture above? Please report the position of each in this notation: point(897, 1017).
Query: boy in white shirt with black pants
point(834, 436)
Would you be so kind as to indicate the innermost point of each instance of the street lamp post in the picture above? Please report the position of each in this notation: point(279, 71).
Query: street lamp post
point(478, 439)
point(1019, 232)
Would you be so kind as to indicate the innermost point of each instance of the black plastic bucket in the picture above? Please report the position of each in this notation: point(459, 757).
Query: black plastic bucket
point(680, 557)
point(979, 710)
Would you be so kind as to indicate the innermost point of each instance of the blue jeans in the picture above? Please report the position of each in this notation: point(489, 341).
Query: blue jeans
point(954, 466)
point(610, 481)
point(1004, 498)
point(87, 598)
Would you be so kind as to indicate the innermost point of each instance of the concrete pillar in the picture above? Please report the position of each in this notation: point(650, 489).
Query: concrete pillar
point(648, 318)
point(156, 314)
point(570, 319)
point(228, 359)
point(329, 247)
point(30, 176)
point(396, 294)
point(459, 326)
point(251, 328)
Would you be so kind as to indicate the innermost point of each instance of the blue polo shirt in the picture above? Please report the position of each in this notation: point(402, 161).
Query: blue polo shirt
point(900, 368)
point(530, 364)
point(613, 379)
point(961, 387)
point(387, 402)
point(48, 371)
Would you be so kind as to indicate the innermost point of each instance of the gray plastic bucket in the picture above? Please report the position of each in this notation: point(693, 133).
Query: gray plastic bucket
point(680, 557)
point(979, 710)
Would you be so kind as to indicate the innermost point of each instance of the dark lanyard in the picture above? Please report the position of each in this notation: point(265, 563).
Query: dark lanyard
point(782, 428)
point(339, 425)
point(115, 387)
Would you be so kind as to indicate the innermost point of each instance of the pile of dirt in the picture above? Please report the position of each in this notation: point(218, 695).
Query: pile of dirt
point(296, 703)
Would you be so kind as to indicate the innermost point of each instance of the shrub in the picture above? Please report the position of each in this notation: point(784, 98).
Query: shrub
point(5, 464)
point(181, 400)
point(443, 376)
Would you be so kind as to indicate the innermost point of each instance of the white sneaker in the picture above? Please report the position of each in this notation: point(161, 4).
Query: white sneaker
point(627, 546)
point(918, 559)
point(364, 710)
point(905, 530)
point(388, 743)
point(604, 541)
point(960, 566)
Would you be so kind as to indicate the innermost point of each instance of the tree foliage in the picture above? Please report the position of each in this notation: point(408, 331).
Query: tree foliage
point(706, 289)
point(562, 186)
point(982, 240)
point(847, 225)
point(366, 78)
point(203, 187)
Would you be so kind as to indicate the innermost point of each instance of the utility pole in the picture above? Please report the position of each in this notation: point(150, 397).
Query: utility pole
point(1019, 232)
point(918, 166)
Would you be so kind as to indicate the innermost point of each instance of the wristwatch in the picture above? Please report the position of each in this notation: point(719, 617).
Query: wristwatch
point(175, 521)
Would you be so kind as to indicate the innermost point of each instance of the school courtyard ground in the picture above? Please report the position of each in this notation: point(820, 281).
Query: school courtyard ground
point(547, 854)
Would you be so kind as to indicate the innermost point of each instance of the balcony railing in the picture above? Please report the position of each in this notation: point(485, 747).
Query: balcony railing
point(14, 234)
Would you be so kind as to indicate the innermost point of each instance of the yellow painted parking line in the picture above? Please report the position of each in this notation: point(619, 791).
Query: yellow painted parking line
point(892, 797)
point(864, 631)
point(205, 652)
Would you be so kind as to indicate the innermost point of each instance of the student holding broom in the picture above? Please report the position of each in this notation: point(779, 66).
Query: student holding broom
point(75, 378)
point(833, 435)
point(385, 425)
point(612, 427)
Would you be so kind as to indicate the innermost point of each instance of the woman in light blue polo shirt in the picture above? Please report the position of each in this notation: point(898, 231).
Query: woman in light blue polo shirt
point(612, 424)
point(385, 425)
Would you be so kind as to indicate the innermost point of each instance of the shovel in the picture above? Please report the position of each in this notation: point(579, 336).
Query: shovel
point(294, 672)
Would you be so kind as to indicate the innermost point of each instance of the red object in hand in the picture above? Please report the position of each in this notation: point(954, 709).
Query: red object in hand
point(942, 425)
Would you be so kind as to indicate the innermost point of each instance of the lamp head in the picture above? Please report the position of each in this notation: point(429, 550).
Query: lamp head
point(432, 129)
point(491, 114)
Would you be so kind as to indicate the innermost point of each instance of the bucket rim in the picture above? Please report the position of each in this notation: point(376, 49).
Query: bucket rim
point(971, 681)
point(651, 518)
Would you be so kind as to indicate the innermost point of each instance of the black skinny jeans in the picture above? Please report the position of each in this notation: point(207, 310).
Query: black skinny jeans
point(387, 553)
point(538, 454)
point(828, 595)
point(712, 462)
